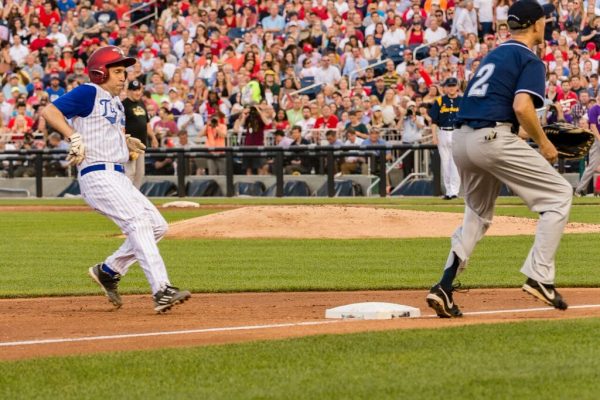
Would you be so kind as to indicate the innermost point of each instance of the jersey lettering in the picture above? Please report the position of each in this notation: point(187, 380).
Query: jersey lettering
point(480, 87)
point(109, 112)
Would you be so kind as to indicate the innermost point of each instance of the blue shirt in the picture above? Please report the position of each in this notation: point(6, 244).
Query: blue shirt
point(510, 69)
point(273, 23)
point(79, 102)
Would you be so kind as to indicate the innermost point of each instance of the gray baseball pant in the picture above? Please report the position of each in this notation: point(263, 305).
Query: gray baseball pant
point(593, 162)
point(488, 157)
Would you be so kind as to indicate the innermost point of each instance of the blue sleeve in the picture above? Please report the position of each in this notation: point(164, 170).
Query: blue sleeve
point(79, 102)
point(533, 81)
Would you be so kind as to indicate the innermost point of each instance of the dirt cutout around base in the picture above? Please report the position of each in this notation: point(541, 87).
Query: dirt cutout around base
point(344, 222)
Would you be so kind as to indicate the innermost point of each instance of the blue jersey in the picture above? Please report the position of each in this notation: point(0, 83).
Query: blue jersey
point(509, 69)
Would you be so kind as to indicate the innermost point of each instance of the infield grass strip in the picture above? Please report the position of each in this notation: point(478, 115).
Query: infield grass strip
point(527, 360)
point(48, 253)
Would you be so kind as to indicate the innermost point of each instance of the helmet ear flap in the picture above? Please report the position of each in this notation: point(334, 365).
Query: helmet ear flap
point(98, 75)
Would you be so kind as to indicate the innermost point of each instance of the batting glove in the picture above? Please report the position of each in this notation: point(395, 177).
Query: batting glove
point(135, 146)
point(76, 150)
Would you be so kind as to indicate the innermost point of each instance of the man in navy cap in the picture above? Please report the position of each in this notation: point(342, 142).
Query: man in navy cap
point(501, 97)
point(443, 116)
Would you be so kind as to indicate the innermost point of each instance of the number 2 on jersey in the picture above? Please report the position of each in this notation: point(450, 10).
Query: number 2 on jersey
point(480, 87)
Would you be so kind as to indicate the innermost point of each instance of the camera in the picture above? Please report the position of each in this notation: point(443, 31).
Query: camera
point(410, 112)
point(213, 122)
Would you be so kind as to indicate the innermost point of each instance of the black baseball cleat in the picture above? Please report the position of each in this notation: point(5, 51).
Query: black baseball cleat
point(108, 283)
point(168, 297)
point(442, 303)
point(546, 293)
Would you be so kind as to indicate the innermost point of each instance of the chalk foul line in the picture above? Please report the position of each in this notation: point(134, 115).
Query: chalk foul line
point(257, 327)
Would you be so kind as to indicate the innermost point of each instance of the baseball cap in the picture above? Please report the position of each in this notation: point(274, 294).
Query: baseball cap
point(451, 82)
point(524, 13)
point(134, 85)
point(553, 42)
point(590, 46)
point(376, 108)
point(307, 48)
point(38, 85)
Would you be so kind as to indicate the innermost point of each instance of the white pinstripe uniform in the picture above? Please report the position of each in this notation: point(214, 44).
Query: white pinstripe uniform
point(111, 193)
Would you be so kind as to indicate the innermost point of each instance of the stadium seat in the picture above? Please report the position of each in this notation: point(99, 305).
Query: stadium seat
point(235, 33)
point(417, 187)
point(9, 192)
point(203, 188)
point(422, 53)
point(343, 188)
point(71, 190)
point(394, 52)
point(307, 81)
point(158, 189)
point(290, 188)
point(249, 188)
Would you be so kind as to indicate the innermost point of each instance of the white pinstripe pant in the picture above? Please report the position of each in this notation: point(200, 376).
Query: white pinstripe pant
point(111, 193)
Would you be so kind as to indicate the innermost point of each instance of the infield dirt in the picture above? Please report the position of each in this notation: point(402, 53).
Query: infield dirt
point(76, 317)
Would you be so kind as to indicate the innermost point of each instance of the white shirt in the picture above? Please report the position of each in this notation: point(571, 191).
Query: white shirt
point(432, 36)
point(59, 38)
point(410, 132)
point(467, 22)
point(18, 53)
point(328, 76)
point(193, 128)
point(485, 10)
point(357, 142)
point(391, 37)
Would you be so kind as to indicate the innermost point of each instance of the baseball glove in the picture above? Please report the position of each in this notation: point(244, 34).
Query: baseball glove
point(135, 147)
point(571, 142)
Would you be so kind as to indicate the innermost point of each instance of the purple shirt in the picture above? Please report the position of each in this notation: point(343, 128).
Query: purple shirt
point(593, 115)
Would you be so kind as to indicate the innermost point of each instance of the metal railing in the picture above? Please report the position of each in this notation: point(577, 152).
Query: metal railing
point(153, 15)
point(329, 154)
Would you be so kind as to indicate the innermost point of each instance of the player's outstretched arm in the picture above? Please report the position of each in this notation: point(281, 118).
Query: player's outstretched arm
point(55, 117)
point(525, 112)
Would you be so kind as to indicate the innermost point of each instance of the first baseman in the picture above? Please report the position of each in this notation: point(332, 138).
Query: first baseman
point(503, 94)
point(99, 148)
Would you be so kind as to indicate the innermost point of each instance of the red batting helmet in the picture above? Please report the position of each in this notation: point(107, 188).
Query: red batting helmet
point(103, 58)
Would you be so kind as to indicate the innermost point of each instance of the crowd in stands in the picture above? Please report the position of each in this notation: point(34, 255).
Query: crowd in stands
point(279, 72)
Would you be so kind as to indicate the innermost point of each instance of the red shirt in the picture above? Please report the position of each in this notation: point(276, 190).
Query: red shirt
point(47, 19)
point(38, 44)
point(330, 123)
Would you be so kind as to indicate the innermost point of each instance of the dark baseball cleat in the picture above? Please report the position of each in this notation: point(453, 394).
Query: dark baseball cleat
point(545, 293)
point(108, 283)
point(442, 303)
point(168, 297)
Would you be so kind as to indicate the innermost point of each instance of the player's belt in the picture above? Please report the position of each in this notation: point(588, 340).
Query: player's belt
point(102, 167)
point(447, 128)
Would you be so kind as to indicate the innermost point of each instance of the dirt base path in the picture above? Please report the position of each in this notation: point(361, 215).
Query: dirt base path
point(227, 318)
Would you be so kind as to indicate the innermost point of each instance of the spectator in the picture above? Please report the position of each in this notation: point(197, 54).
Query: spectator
point(165, 128)
point(435, 32)
point(216, 133)
point(327, 74)
point(18, 51)
point(191, 122)
point(57, 167)
point(296, 164)
point(252, 125)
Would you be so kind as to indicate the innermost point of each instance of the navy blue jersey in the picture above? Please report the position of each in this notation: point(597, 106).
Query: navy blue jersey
point(509, 69)
point(443, 111)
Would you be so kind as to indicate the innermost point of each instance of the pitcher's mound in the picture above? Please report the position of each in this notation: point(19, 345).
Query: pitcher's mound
point(343, 222)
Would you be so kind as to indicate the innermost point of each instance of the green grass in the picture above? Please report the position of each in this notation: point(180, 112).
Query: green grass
point(52, 258)
point(531, 360)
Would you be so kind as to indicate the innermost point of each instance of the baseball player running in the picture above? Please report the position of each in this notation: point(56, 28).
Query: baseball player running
point(503, 94)
point(99, 148)
point(443, 115)
point(594, 155)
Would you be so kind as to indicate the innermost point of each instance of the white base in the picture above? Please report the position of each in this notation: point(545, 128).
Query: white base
point(181, 204)
point(373, 310)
